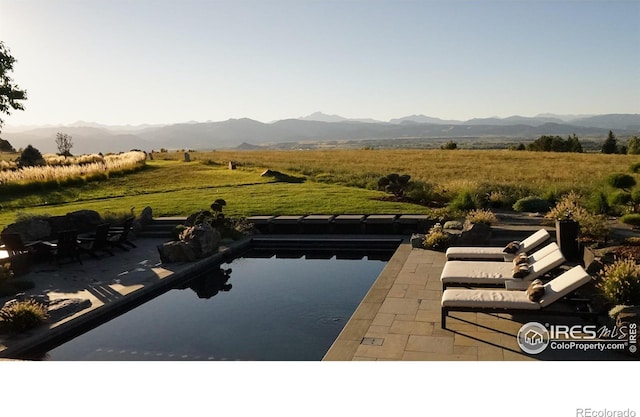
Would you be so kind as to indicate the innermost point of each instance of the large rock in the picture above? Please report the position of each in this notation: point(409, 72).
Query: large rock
point(84, 221)
point(30, 230)
point(176, 251)
point(195, 242)
point(202, 238)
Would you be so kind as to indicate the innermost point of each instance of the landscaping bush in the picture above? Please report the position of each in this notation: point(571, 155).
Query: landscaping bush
point(498, 199)
point(394, 184)
point(632, 219)
point(592, 226)
point(465, 200)
point(619, 198)
point(532, 204)
point(598, 203)
point(620, 282)
point(620, 180)
point(480, 216)
point(436, 238)
point(19, 316)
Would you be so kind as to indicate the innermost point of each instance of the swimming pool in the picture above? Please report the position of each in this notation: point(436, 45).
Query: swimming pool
point(266, 305)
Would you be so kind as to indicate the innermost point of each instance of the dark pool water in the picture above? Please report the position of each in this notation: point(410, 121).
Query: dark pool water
point(268, 308)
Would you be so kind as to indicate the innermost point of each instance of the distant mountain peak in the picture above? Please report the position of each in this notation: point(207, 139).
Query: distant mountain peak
point(322, 117)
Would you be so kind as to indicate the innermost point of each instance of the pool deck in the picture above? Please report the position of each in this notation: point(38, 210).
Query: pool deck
point(399, 318)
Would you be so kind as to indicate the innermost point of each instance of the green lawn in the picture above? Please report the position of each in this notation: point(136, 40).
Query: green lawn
point(174, 188)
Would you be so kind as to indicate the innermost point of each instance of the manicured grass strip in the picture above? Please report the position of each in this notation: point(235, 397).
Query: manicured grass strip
point(242, 200)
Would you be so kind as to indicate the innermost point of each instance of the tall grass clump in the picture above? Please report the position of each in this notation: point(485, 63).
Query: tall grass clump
point(436, 238)
point(620, 282)
point(49, 176)
point(19, 316)
point(569, 207)
point(481, 216)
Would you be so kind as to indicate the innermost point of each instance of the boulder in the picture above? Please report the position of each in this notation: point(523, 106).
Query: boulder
point(195, 242)
point(202, 238)
point(176, 251)
point(31, 229)
point(84, 221)
point(417, 240)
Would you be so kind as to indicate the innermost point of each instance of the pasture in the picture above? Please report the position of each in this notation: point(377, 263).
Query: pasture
point(330, 181)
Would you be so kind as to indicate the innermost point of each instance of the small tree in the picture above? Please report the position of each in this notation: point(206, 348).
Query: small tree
point(633, 147)
point(10, 93)
point(30, 156)
point(451, 145)
point(64, 144)
point(610, 145)
point(573, 144)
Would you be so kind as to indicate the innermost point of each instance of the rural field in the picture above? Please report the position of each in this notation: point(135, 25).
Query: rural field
point(321, 182)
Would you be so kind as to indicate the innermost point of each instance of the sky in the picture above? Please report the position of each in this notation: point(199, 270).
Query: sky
point(122, 62)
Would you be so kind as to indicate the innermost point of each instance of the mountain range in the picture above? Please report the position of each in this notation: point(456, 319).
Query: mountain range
point(316, 128)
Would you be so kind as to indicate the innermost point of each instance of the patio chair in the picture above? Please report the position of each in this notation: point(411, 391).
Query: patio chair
point(119, 236)
point(497, 253)
point(513, 302)
point(484, 273)
point(65, 247)
point(14, 245)
point(96, 242)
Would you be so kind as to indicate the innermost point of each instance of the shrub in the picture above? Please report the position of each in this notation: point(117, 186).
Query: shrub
point(394, 184)
point(632, 219)
point(621, 282)
point(465, 200)
point(620, 180)
point(451, 145)
point(592, 226)
point(598, 203)
point(532, 204)
point(19, 316)
point(30, 156)
point(635, 167)
point(619, 198)
point(436, 238)
point(566, 208)
point(498, 199)
point(420, 192)
point(481, 216)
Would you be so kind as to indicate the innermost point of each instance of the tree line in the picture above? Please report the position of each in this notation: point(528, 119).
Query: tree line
point(611, 145)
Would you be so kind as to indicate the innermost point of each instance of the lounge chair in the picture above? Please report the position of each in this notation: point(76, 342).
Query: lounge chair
point(496, 253)
point(483, 273)
point(505, 301)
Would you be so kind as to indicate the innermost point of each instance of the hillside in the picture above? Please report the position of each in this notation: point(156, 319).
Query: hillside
point(320, 128)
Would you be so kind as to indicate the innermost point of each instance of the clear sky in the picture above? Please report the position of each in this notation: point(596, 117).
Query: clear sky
point(168, 61)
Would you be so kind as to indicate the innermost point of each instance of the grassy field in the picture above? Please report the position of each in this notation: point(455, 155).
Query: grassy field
point(335, 181)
